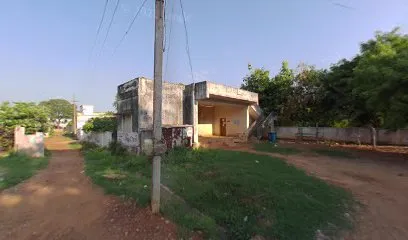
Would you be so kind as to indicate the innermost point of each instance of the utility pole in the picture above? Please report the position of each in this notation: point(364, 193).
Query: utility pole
point(158, 146)
point(74, 117)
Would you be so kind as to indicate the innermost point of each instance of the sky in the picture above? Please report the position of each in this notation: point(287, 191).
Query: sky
point(50, 48)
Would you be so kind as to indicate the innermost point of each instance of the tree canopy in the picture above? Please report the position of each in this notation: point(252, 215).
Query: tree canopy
point(370, 89)
point(59, 109)
point(29, 115)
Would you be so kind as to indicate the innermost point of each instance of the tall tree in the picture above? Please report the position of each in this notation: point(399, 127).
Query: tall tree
point(381, 76)
point(59, 109)
point(29, 115)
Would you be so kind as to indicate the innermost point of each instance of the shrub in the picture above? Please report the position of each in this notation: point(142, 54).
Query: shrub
point(6, 138)
point(117, 149)
point(100, 124)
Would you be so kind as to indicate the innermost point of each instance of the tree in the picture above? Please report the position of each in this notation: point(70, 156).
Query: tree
point(307, 95)
point(381, 77)
point(29, 115)
point(257, 80)
point(369, 90)
point(59, 109)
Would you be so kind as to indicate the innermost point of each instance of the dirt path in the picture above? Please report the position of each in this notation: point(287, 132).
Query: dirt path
point(380, 184)
point(60, 202)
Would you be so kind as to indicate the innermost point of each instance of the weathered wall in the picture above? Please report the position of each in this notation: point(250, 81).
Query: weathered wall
point(201, 90)
point(172, 107)
point(102, 139)
point(130, 140)
point(237, 119)
point(231, 92)
point(398, 137)
point(188, 105)
point(32, 145)
point(173, 136)
point(128, 103)
point(204, 90)
point(353, 135)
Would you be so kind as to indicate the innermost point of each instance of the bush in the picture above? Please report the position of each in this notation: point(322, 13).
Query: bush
point(6, 138)
point(117, 149)
point(100, 124)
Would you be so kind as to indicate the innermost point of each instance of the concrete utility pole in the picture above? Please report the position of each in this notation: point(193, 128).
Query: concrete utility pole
point(74, 117)
point(158, 147)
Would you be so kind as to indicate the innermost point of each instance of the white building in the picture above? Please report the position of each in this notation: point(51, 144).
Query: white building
point(85, 113)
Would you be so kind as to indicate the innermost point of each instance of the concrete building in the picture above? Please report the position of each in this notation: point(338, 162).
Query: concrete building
point(215, 110)
point(85, 113)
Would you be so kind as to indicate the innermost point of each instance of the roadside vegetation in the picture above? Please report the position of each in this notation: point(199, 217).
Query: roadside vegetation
point(15, 168)
point(342, 95)
point(231, 194)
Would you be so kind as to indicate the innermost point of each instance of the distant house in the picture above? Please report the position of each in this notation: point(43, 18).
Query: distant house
point(188, 111)
point(85, 113)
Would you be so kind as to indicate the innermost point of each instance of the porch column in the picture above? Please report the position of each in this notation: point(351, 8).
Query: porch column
point(195, 122)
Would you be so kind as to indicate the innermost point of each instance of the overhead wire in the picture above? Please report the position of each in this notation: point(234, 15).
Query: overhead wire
point(110, 24)
point(99, 28)
point(130, 26)
point(168, 38)
point(187, 41)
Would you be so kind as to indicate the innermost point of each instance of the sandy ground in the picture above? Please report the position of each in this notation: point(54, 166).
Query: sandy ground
point(378, 180)
point(60, 202)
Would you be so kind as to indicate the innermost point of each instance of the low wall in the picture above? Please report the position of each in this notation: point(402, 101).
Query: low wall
point(32, 145)
point(141, 142)
point(353, 135)
point(130, 140)
point(102, 139)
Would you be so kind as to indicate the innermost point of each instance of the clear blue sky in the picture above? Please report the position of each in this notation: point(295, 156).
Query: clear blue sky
point(45, 45)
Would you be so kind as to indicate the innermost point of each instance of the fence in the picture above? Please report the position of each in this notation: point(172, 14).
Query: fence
point(350, 135)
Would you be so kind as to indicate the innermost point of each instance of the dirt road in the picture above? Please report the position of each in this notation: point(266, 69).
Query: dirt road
point(60, 202)
point(378, 181)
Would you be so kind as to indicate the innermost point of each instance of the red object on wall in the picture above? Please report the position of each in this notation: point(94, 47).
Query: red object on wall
point(177, 136)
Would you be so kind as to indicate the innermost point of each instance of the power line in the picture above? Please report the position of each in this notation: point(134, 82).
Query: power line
point(130, 26)
point(99, 28)
point(110, 24)
point(341, 5)
point(169, 38)
point(187, 42)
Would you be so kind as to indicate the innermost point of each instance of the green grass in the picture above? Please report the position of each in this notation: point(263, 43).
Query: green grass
point(135, 172)
point(333, 152)
point(135, 183)
point(75, 145)
point(272, 148)
point(245, 194)
point(251, 194)
point(16, 168)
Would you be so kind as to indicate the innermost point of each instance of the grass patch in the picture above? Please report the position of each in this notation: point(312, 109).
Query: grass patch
point(16, 168)
point(134, 171)
point(272, 148)
point(250, 194)
point(245, 194)
point(132, 179)
point(333, 152)
point(75, 145)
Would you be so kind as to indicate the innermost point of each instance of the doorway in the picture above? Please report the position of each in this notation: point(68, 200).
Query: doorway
point(223, 127)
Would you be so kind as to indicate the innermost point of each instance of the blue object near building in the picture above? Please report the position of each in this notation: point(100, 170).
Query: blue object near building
point(272, 137)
